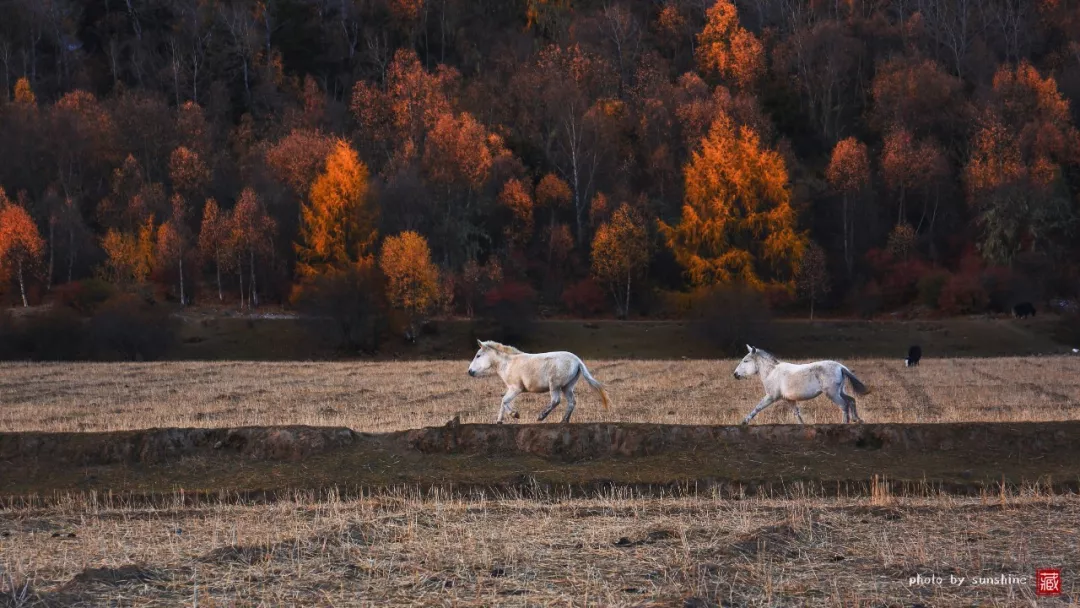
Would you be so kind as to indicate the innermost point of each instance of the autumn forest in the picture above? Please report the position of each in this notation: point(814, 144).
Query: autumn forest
point(411, 158)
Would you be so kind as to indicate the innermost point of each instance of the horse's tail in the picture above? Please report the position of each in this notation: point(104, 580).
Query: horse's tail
point(856, 384)
point(593, 382)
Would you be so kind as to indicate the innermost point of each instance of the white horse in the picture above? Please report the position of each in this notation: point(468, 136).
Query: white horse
point(793, 382)
point(556, 373)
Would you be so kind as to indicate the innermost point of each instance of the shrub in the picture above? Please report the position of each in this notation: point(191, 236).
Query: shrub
point(585, 298)
point(510, 309)
point(1067, 329)
point(85, 296)
point(129, 328)
point(930, 286)
point(732, 316)
point(352, 300)
point(9, 333)
point(778, 297)
point(901, 285)
point(963, 294)
point(1003, 288)
point(867, 300)
point(55, 335)
point(897, 278)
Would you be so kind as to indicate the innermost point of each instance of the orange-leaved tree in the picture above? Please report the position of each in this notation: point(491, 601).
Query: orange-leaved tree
point(412, 279)
point(173, 244)
point(188, 172)
point(251, 231)
point(21, 244)
point(849, 174)
point(515, 197)
point(737, 223)
point(909, 165)
point(24, 94)
point(338, 222)
point(728, 49)
point(213, 239)
point(620, 252)
point(299, 157)
point(553, 194)
point(1015, 176)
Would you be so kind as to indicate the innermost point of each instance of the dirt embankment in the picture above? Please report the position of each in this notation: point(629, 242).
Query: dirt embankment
point(950, 456)
point(594, 441)
point(159, 446)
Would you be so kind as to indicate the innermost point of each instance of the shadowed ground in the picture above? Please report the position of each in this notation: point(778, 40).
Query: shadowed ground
point(757, 459)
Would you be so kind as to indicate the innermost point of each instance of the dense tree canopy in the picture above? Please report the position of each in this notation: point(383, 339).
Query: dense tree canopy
point(234, 152)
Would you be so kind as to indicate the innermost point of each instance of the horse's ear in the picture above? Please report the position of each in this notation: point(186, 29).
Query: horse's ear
point(481, 343)
point(749, 348)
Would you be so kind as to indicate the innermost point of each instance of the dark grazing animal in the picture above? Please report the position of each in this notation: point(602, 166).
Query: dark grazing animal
point(913, 355)
point(1023, 309)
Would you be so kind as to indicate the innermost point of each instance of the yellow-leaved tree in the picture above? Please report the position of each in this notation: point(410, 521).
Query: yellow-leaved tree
point(412, 279)
point(338, 222)
point(737, 224)
point(620, 252)
point(129, 255)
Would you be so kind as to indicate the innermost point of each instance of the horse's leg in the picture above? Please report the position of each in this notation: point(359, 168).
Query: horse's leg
point(837, 397)
point(568, 391)
point(766, 402)
point(851, 406)
point(508, 397)
point(555, 391)
point(798, 412)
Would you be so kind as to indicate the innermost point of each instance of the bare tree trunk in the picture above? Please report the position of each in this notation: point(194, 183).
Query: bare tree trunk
point(247, 83)
point(254, 291)
point(847, 238)
point(900, 209)
point(71, 253)
point(52, 253)
point(175, 61)
point(240, 276)
point(22, 286)
point(183, 302)
point(626, 304)
point(217, 268)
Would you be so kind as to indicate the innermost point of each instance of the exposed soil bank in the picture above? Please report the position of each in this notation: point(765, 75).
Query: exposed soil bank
point(961, 458)
point(588, 441)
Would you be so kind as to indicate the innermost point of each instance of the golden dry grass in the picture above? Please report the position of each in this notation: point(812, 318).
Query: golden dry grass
point(615, 550)
point(377, 397)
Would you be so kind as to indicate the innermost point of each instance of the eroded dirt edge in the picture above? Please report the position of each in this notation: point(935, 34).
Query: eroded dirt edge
point(775, 459)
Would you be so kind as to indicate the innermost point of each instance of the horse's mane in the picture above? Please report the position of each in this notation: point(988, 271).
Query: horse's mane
point(502, 348)
point(764, 354)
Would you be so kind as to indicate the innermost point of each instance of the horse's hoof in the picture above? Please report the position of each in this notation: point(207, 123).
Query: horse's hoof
point(515, 415)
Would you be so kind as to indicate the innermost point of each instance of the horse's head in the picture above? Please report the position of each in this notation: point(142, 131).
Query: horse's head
point(749, 364)
point(484, 363)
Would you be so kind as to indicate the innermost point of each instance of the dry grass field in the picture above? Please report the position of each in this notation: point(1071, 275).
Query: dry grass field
point(377, 397)
point(617, 548)
point(614, 550)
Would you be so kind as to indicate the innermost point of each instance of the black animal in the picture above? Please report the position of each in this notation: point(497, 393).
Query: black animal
point(1023, 309)
point(913, 355)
